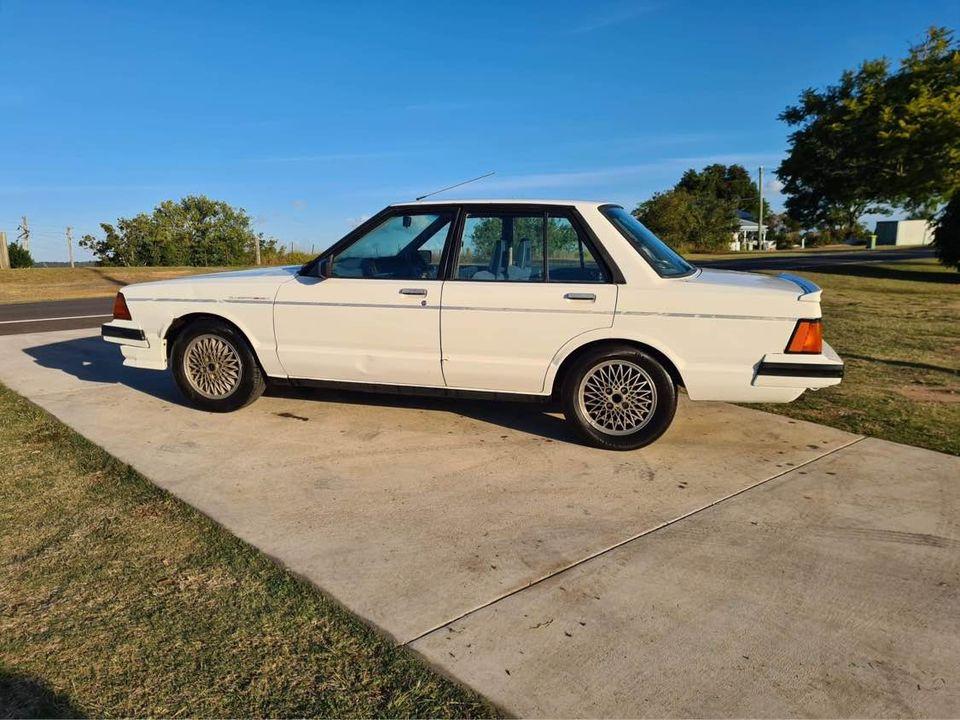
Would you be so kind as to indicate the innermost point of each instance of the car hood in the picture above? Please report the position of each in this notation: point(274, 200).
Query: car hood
point(259, 283)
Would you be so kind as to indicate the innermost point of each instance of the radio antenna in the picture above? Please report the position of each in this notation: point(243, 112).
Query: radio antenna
point(451, 187)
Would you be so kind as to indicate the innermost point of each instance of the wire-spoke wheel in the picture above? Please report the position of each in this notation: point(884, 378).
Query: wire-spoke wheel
point(617, 397)
point(213, 367)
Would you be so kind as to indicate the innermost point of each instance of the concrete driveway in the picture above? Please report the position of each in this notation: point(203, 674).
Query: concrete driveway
point(746, 564)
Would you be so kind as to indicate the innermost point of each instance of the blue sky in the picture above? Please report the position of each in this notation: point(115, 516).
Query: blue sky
point(313, 115)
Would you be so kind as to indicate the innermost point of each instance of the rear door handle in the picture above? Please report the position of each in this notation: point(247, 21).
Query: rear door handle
point(580, 296)
point(413, 291)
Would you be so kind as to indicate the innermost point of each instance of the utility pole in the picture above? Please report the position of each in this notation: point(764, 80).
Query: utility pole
point(24, 236)
point(256, 249)
point(4, 252)
point(70, 244)
point(760, 213)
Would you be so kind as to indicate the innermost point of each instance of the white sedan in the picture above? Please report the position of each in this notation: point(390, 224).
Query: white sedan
point(512, 300)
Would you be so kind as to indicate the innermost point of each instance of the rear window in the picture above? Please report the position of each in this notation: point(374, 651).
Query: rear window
point(661, 257)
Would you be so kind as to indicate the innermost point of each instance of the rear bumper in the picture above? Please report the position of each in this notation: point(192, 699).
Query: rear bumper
point(807, 372)
point(136, 349)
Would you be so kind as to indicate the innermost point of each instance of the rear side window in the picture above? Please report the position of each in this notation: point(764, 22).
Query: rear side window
point(661, 256)
point(515, 246)
point(504, 247)
point(569, 257)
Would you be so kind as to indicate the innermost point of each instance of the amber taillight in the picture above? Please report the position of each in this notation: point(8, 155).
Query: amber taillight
point(807, 338)
point(120, 309)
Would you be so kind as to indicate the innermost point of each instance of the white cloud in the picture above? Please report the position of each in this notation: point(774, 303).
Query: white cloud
point(440, 106)
point(602, 176)
point(614, 17)
point(330, 157)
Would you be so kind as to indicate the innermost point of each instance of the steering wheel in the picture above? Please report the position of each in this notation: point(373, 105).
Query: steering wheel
point(418, 265)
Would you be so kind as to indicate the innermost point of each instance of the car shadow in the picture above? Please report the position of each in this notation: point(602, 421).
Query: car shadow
point(24, 696)
point(92, 360)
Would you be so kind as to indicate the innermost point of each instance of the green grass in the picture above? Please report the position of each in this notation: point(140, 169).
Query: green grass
point(116, 599)
point(897, 327)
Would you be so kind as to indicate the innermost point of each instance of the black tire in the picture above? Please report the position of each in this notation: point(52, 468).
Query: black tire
point(652, 415)
point(242, 391)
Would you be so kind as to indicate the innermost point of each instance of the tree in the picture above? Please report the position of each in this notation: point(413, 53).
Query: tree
point(192, 231)
point(688, 221)
point(877, 139)
point(561, 237)
point(946, 235)
point(19, 256)
point(919, 127)
point(726, 182)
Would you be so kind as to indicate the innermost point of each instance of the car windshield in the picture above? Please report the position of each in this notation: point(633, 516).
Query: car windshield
point(661, 257)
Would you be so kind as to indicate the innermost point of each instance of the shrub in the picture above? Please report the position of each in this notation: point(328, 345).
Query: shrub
point(19, 256)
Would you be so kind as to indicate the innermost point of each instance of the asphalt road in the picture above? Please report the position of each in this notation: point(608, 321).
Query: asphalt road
point(90, 312)
point(56, 315)
point(812, 261)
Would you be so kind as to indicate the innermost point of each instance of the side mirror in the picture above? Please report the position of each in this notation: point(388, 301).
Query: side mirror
point(323, 268)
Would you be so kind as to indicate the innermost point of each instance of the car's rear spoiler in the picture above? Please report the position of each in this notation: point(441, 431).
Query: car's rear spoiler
point(811, 291)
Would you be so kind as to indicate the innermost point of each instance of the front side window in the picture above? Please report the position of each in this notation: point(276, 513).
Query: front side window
point(402, 247)
point(661, 257)
point(505, 247)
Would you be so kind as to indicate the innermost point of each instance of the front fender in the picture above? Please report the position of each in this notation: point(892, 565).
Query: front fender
point(255, 321)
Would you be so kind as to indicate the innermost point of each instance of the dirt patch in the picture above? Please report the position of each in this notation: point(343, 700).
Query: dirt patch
point(930, 393)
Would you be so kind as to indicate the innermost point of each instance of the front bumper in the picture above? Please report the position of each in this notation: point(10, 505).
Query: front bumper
point(137, 350)
point(116, 333)
point(809, 372)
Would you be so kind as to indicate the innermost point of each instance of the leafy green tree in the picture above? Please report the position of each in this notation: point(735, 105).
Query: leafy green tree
point(19, 256)
point(919, 127)
point(946, 235)
point(877, 139)
point(726, 182)
point(688, 221)
point(192, 231)
point(826, 175)
point(561, 237)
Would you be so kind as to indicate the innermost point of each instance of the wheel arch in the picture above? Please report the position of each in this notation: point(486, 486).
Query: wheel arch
point(180, 323)
point(572, 354)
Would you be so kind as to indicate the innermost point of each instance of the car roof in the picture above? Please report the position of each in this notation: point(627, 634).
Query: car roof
point(504, 201)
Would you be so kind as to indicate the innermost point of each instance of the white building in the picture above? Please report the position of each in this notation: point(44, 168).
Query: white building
point(904, 232)
point(751, 236)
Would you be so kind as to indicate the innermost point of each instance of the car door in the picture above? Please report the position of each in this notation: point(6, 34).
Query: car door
point(374, 316)
point(526, 280)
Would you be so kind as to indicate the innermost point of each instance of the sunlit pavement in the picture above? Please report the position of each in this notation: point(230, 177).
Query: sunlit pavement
point(744, 565)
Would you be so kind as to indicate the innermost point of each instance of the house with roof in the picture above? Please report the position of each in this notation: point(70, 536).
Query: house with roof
point(750, 235)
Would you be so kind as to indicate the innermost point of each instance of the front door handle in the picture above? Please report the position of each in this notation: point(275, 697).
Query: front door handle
point(413, 291)
point(580, 296)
